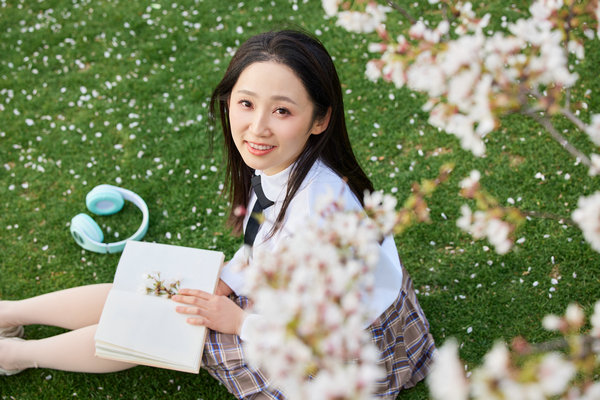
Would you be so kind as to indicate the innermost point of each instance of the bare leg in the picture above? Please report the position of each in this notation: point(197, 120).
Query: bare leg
point(70, 308)
point(71, 351)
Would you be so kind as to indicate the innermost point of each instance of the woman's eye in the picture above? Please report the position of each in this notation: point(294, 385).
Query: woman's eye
point(282, 111)
point(245, 103)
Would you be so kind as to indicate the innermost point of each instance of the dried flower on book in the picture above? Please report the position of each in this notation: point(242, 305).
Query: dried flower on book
point(155, 286)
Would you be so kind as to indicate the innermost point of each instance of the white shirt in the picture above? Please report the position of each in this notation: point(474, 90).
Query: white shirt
point(319, 180)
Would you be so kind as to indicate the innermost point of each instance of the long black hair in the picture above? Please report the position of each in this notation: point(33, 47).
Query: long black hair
point(312, 64)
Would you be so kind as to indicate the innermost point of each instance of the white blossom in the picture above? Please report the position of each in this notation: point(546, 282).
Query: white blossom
point(360, 22)
point(310, 295)
point(595, 320)
point(574, 315)
point(481, 225)
point(498, 233)
point(330, 7)
point(373, 72)
point(492, 373)
point(552, 322)
point(587, 216)
point(554, 374)
point(446, 379)
point(595, 165)
point(466, 218)
point(593, 129)
point(471, 181)
point(598, 20)
point(592, 392)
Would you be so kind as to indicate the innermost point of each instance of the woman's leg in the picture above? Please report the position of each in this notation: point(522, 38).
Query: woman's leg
point(71, 351)
point(77, 309)
point(70, 308)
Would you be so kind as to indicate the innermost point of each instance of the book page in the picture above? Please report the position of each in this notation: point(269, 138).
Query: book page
point(149, 327)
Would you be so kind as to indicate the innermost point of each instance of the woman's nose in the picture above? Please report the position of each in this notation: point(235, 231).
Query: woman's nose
point(260, 124)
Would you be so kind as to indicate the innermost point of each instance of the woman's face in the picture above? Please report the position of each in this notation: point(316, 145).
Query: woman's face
point(271, 116)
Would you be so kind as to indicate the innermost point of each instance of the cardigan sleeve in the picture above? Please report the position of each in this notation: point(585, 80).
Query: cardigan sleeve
point(232, 273)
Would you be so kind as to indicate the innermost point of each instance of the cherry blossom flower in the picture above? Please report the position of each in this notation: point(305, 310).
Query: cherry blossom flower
point(472, 181)
point(595, 321)
point(446, 379)
point(522, 373)
point(359, 22)
point(309, 293)
point(554, 374)
point(574, 316)
point(587, 216)
point(593, 129)
point(552, 322)
point(330, 7)
point(598, 19)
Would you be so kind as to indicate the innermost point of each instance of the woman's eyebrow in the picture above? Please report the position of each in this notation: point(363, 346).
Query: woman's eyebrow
point(274, 97)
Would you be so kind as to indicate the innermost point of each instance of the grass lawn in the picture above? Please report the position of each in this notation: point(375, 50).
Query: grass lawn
point(116, 92)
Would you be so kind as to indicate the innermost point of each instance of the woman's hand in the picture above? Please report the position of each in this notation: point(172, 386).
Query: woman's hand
point(216, 312)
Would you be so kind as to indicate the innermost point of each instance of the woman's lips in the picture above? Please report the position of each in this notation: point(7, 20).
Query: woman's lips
point(259, 149)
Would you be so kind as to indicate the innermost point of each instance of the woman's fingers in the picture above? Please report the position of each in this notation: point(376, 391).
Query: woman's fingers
point(189, 310)
point(196, 293)
point(192, 296)
point(197, 321)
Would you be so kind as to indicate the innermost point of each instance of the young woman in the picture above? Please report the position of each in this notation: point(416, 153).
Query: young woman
point(281, 110)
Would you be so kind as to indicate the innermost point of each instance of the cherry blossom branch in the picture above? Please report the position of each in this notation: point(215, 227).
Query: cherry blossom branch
point(573, 118)
point(587, 342)
point(402, 11)
point(544, 215)
point(545, 122)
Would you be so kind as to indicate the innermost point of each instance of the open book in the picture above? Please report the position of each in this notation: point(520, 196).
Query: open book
point(143, 328)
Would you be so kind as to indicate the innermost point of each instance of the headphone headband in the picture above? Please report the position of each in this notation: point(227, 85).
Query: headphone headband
point(104, 200)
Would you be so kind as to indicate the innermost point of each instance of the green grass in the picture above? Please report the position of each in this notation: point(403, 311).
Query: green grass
point(117, 92)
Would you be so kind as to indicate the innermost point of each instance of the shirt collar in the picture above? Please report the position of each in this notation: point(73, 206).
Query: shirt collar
point(275, 186)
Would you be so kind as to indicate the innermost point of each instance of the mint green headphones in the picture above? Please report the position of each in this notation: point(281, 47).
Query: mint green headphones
point(106, 200)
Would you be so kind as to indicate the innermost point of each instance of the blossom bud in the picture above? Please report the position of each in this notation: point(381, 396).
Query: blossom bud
point(574, 316)
point(377, 47)
point(595, 320)
point(239, 211)
point(552, 322)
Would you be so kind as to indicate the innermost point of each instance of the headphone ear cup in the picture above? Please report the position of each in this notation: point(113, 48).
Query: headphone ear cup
point(104, 201)
point(83, 226)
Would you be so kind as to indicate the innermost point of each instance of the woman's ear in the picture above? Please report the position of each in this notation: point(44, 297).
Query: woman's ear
point(320, 125)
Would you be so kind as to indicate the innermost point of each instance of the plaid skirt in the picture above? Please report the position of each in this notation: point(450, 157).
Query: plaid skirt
point(401, 333)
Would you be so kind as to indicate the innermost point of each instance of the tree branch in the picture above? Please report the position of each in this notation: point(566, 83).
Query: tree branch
point(402, 11)
point(545, 122)
point(573, 118)
point(588, 344)
point(540, 214)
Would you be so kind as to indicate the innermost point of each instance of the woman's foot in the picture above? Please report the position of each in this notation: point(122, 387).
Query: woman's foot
point(13, 329)
point(8, 372)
